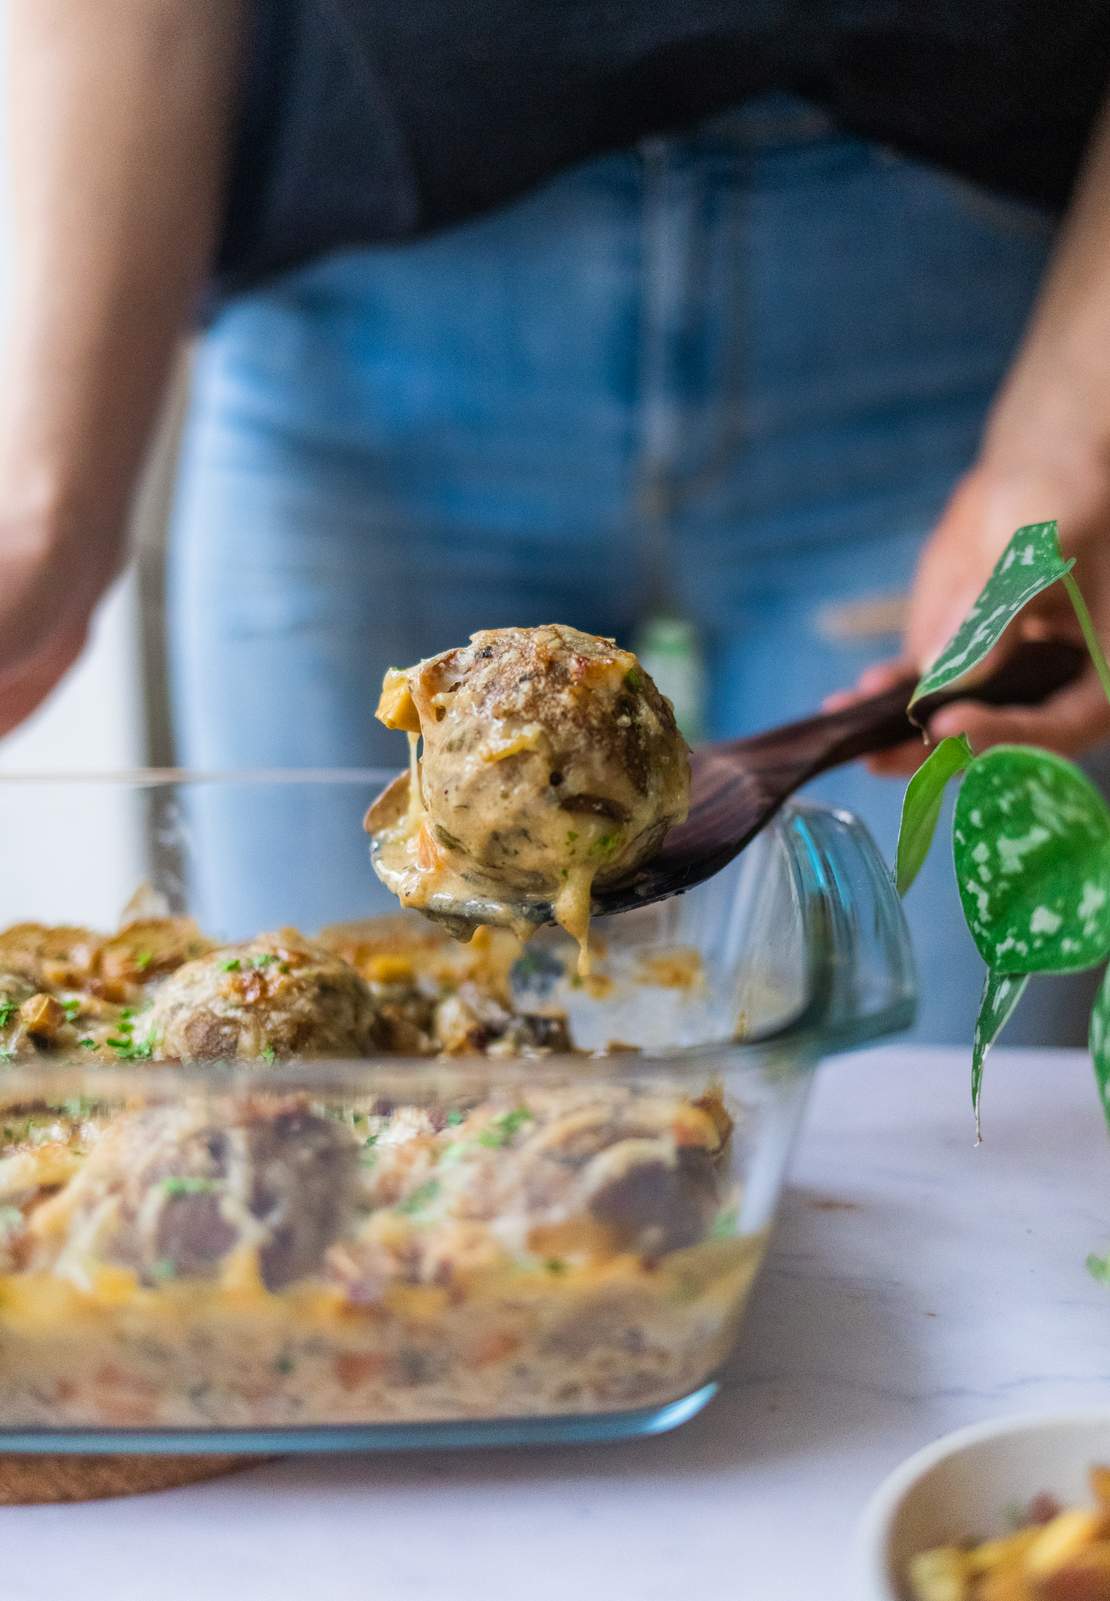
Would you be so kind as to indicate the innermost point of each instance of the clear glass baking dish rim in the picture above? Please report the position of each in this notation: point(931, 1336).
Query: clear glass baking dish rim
point(852, 923)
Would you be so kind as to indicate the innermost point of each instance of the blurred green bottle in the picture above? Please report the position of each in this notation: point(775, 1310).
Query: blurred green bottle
point(670, 649)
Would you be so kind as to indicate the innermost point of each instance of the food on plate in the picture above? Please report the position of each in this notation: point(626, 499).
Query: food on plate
point(446, 1238)
point(549, 761)
point(1054, 1554)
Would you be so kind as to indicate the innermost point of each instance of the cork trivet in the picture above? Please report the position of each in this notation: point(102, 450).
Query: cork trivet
point(29, 1480)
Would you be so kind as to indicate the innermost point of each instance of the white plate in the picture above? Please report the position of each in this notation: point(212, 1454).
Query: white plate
point(964, 1483)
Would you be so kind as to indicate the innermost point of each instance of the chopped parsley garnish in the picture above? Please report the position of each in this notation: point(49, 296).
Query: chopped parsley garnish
point(571, 836)
point(190, 1184)
point(420, 1197)
point(285, 1363)
point(132, 1052)
point(606, 845)
point(455, 1117)
point(232, 965)
point(123, 1041)
point(555, 1264)
point(6, 1055)
point(7, 1012)
point(502, 1129)
point(143, 960)
point(1099, 1267)
point(633, 679)
point(269, 1055)
point(72, 1009)
point(87, 1044)
point(263, 961)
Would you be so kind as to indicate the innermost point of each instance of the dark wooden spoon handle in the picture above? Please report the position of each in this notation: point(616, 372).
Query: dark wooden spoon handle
point(1026, 677)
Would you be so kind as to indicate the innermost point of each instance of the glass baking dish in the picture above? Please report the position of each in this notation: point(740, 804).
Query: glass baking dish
point(567, 1254)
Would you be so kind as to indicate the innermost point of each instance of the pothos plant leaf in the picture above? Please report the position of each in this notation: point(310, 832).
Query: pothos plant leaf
point(921, 805)
point(1031, 840)
point(1031, 562)
point(1001, 993)
point(1099, 1041)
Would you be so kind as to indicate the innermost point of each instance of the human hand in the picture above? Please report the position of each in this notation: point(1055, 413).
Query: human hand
point(986, 507)
point(50, 582)
point(1045, 454)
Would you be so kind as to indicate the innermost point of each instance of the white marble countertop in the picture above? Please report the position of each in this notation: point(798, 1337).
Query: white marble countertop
point(915, 1285)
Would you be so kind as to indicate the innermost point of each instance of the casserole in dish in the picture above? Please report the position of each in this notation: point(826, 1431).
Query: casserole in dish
point(414, 1192)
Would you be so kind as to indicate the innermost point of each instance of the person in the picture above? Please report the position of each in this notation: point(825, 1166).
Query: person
point(760, 314)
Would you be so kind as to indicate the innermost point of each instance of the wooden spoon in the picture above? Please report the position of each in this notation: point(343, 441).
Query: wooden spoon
point(739, 785)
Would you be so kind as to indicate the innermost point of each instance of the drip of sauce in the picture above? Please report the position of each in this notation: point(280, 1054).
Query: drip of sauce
point(572, 911)
point(432, 878)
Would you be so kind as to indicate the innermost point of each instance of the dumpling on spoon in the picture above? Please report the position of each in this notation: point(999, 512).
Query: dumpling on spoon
point(550, 761)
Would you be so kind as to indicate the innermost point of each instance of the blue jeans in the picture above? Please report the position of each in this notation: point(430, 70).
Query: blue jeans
point(738, 369)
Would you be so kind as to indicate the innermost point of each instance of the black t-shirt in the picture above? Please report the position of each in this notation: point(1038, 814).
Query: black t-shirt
point(368, 120)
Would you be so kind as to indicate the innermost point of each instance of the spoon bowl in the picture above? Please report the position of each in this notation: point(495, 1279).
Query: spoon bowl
point(737, 786)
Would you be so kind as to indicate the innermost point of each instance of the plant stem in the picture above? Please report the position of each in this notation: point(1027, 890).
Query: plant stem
point(1090, 638)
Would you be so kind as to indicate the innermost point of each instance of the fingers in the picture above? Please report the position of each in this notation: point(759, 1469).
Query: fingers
point(1067, 723)
point(24, 690)
point(901, 762)
point(839, 699)
point(48, 593)
point(876, 680)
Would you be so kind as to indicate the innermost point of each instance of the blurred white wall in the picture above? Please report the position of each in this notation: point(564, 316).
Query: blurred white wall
point(94, 722)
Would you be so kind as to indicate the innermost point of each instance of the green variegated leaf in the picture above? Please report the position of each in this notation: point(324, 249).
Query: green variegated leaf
point(1031, 562)
point(1001, 993)
point(1031, 841)
point(1099, 1041)
point(921, 805)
